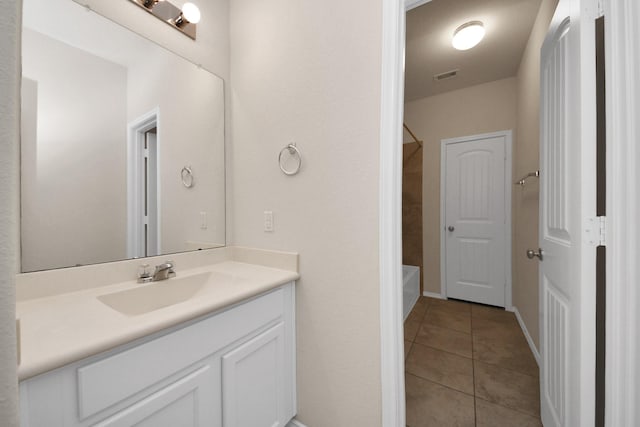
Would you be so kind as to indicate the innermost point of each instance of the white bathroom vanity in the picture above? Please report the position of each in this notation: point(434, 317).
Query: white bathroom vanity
point(214, 346)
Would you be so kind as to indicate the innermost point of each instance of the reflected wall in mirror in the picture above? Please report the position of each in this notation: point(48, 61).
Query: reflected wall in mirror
point(109, 122)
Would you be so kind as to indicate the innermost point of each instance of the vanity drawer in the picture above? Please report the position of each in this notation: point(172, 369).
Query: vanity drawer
point(103, 383)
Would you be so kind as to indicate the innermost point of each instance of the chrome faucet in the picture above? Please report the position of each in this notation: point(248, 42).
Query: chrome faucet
point(164, 271)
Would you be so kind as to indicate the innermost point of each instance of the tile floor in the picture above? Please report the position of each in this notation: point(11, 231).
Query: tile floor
point(468, 365)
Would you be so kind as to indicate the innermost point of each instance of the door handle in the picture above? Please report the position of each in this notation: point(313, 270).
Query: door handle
point(532, 254)
point(451, 228)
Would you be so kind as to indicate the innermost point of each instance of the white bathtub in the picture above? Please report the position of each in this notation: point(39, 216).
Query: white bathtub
point(410, 287)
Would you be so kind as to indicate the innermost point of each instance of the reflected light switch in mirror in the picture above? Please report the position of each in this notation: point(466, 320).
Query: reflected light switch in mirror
point(268, 221)
point(203, 220)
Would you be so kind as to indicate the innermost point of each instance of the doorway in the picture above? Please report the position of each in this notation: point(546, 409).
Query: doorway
point(143, 182)
point(622, 234)
point(467, 236)
point(562, 199)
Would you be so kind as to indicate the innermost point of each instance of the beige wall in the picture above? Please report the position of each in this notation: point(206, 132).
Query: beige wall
point(484, 108)
point(526, 159)
point(309, 72)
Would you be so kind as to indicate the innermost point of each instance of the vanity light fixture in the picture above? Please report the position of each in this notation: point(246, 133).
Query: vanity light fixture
point(183, 19)
point(189, 13)
point(149, 4)
point(468, 35)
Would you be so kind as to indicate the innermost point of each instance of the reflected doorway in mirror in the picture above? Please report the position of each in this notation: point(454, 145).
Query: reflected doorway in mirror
point(143, 187)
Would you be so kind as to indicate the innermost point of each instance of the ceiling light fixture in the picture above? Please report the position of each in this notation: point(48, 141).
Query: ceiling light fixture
point(468, 35)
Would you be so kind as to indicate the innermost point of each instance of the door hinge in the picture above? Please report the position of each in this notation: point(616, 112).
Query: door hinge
point(594, 9)
point(596, 231)
point(600, 10)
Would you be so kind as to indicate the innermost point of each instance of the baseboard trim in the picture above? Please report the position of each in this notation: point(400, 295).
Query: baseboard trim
point(432, 295)
point(525, 331)
point(295, 423)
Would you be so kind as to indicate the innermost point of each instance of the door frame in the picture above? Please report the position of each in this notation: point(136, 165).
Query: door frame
point(393, 407)
point(622, 384)
point(508, 176)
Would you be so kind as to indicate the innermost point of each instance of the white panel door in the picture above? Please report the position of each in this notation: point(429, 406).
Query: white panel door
point(568, 191)
point(475, 217)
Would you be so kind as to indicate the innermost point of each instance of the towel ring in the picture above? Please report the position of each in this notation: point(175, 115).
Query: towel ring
point(293, 150)
point(187, 176)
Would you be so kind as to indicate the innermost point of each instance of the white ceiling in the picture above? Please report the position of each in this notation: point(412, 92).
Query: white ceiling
point(430, 27)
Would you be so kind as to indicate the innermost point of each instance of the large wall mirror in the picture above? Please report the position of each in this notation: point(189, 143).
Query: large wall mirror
point(122, 151)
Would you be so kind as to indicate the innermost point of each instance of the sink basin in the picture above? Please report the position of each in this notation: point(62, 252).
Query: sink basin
point(156, 295)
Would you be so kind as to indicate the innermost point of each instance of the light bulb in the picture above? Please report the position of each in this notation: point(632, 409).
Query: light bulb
point(191, 12)
point(468, 35)
point(149, 4)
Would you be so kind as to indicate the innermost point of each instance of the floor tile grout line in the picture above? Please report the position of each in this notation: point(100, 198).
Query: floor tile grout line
point(509, 408)
point(444, 351)
point(444, 327)
point(440, 384)
point(421, 317)
point(424, 322)
point(504, 369)
point(408, 352)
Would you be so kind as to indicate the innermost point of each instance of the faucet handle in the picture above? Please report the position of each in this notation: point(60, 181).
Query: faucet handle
point(172, 266)
point(143, 273)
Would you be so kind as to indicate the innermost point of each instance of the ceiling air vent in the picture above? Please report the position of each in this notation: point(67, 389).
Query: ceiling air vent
point(447, 75)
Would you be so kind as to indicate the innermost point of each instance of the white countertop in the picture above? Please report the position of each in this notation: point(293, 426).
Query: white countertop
point(61, 329)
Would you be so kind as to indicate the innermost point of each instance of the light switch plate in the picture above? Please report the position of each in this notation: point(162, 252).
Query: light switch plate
point(203, 220)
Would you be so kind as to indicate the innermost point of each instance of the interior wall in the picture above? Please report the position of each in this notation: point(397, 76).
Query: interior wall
point(9, 172)
point(309, 72)
point(526, 155)
point(76, 149)
point(484, 108)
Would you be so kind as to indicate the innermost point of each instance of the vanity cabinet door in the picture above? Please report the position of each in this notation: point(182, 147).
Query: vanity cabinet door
point(182, 403)
point(191, 397)
point(254, 382)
